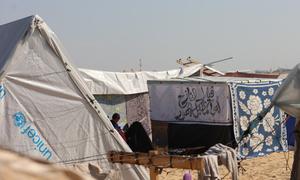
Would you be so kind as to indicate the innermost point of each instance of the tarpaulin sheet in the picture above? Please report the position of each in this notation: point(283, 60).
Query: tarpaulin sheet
point(104, 82)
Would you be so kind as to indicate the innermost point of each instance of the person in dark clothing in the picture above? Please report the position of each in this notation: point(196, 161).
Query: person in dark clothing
point(137, 138)
point(115, 119)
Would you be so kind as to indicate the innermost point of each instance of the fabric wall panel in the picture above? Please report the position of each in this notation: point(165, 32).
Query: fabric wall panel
point(138, 109)
point(206, 103)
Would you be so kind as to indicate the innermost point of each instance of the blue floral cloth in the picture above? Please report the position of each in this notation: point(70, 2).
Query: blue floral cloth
point(248, 100)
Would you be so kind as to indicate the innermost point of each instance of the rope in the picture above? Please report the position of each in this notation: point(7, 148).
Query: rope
point(287, 167)
point(251, 150)
point(225, 175)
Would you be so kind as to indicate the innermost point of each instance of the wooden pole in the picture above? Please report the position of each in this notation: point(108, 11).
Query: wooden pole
point(153, 173)
point(153, 170)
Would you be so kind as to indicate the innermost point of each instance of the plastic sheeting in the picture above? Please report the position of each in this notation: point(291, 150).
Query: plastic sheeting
point(46, 109)
point(287, 97)
point(103, 82)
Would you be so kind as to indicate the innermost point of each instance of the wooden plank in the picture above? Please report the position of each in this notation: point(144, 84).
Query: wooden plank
point(158, 160)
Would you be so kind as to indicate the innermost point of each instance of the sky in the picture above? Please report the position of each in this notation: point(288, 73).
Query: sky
point(114, 35)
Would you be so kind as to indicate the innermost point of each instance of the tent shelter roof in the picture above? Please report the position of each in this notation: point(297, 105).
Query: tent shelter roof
point(104, 82)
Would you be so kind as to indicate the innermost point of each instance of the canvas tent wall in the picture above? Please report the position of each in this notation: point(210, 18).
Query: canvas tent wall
point(127, 93)
point(194, 112)
point(288, 99)
point(46, 109)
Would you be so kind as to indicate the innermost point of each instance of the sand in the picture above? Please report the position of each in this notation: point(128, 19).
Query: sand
point(274, 166)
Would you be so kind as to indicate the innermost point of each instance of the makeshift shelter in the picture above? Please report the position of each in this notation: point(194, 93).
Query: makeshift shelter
point(46, 109)
point(201, 112)
point(127, 93)
point(288, 99)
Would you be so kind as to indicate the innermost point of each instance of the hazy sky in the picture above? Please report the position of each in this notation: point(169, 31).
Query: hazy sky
point(114, 35)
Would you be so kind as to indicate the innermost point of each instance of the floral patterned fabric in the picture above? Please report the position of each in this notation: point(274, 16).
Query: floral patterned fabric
point(248, 100)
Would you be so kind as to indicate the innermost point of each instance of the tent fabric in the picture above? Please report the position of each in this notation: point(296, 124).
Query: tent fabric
point(290, 128)
point(46, 109)
point(138, 109)
point(287, 97)
point(104, 82)
point(248, 100)
point(198, 135)
point(204, 103)
point(17, 166)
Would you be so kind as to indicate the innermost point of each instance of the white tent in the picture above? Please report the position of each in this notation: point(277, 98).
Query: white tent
point(46, 109)
point(125, 83)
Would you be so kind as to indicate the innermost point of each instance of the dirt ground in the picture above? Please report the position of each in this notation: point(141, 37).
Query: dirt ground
point(274, 166)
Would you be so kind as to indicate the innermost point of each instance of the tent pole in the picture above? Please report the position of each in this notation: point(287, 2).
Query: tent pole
point(153, 170)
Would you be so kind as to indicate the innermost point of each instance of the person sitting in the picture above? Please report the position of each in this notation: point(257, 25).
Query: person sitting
point(115, 119)
point(137, 138)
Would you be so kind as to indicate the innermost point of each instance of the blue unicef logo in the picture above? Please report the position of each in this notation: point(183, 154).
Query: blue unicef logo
point(2, 92)
point(19, 119)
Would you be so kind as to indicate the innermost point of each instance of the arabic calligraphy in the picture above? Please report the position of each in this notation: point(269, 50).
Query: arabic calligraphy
point(195, 103)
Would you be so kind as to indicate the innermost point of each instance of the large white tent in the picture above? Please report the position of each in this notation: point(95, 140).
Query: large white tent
point(46, 109)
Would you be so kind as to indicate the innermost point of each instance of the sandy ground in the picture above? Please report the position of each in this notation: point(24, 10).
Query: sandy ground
point(274, 166)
